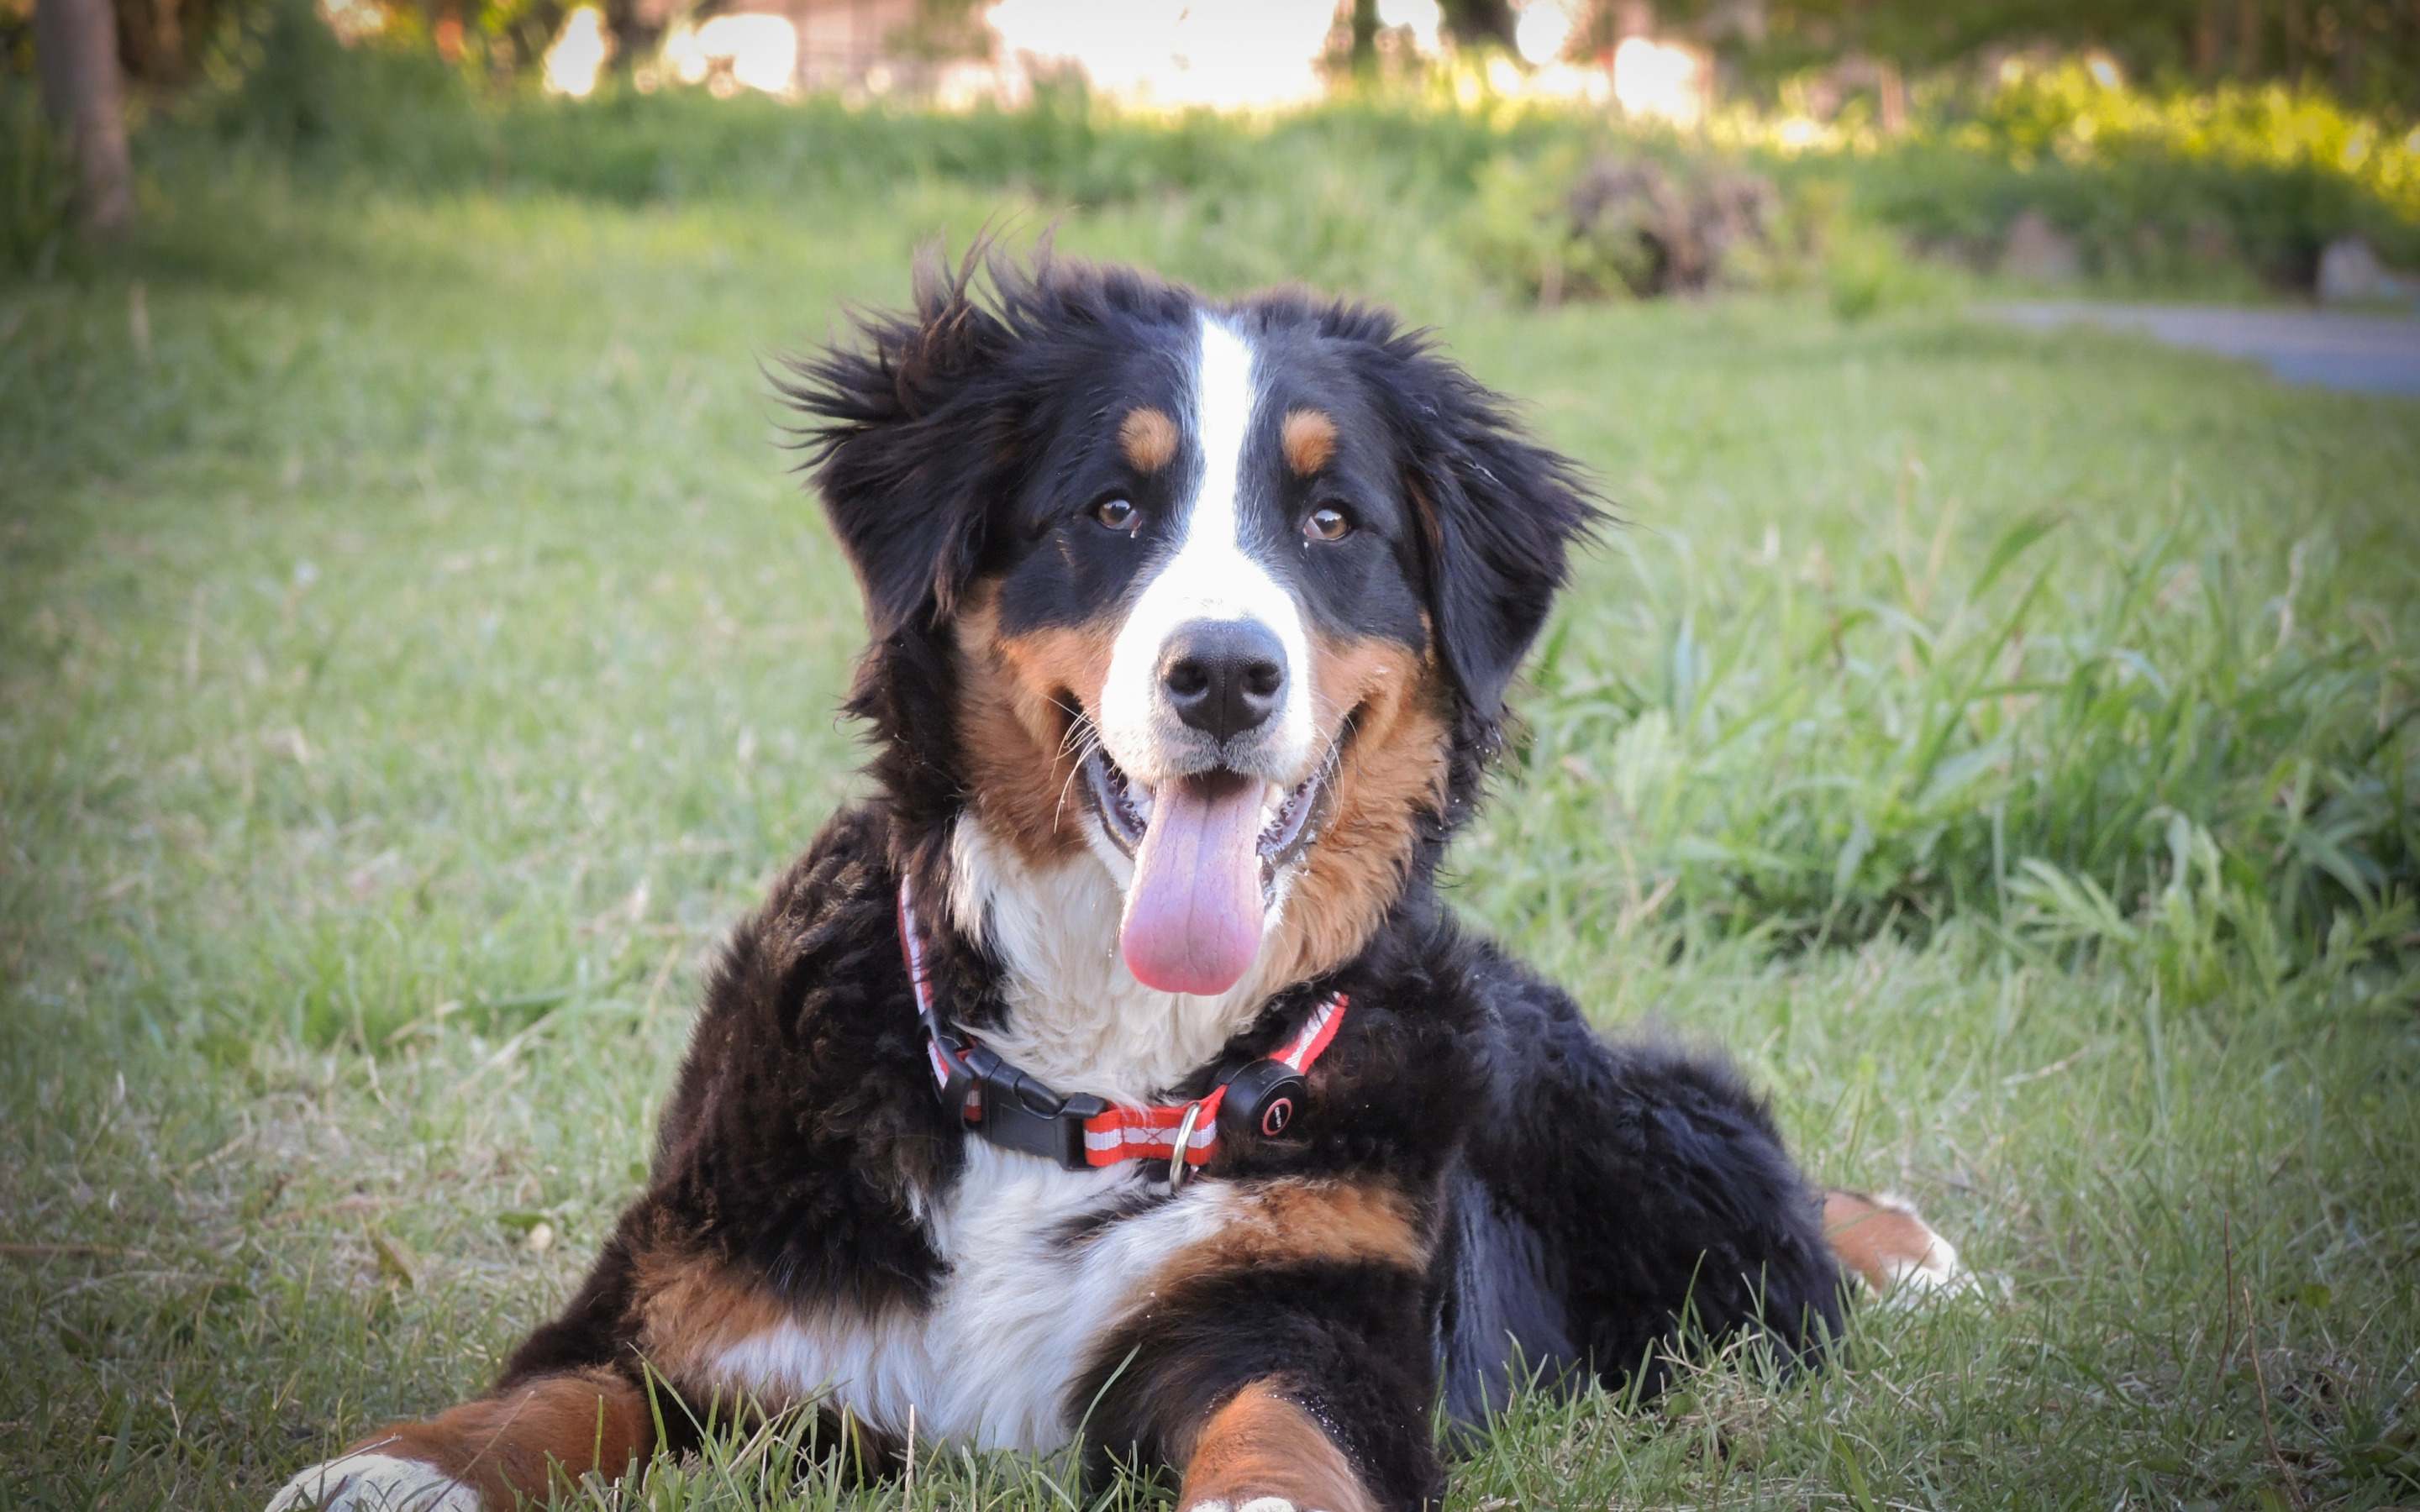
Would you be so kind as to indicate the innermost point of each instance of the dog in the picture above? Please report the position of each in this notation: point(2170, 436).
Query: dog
point(1114, 1073)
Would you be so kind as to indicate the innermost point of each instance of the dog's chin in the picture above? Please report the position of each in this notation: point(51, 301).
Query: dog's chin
point(1291, 816)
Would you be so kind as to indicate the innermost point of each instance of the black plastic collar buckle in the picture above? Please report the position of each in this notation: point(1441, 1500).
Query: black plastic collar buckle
point(1016, 1112)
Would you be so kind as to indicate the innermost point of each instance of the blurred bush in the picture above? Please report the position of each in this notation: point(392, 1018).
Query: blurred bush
point(1866, 270)
point(1432, 186)
point(273, 79)
point(37, 180)
point(1571, 225)
point(2154, 186)
point(1535, 199)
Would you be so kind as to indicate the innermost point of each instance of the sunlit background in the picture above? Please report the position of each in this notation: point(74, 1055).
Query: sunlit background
point(1241, 55)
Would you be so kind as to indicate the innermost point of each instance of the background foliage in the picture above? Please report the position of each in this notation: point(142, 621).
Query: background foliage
point(2173, 186)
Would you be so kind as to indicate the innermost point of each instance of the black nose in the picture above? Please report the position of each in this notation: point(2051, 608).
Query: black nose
point(1224, 676)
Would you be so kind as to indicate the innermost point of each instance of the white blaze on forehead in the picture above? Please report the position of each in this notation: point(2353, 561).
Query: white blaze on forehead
point(1223, 419)
point(1212, 575)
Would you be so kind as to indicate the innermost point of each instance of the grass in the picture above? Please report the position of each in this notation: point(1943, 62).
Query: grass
point(413, 654)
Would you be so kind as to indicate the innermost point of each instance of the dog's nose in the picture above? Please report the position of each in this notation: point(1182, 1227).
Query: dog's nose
point(1224, 676)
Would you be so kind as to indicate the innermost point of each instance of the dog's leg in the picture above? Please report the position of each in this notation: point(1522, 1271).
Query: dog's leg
point(1275, 1380)
point(483, 1455)
point(1262, 1453)
point(1887, 1244)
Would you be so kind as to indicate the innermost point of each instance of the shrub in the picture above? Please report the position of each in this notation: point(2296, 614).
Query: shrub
point(2153, 185)
point(1537, 199)
point(37, 181)
point(274, 78)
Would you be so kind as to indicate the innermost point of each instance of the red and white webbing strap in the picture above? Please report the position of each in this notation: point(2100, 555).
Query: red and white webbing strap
point(1125, 1133)
point(939, 1048)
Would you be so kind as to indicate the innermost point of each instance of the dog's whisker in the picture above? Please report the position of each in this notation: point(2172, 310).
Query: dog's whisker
point(1061, 810)
point(1082, 739)
point(1080, 727)
point(1083, 750)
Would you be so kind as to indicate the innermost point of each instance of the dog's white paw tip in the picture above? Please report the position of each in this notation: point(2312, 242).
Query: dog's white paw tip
point(374, 1482)
point(1886, 1240)
point(1266, 1504)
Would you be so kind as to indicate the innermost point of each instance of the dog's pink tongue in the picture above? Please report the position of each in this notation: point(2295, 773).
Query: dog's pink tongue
point(1193, 914)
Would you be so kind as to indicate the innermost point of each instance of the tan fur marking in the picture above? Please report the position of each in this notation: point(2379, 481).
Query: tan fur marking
point(1261, 1444)
point(1022, 771)
point(1014, 714)
point(1148, 438)
point(1394, 764)
point(1308, 437)
point(1299, 1221)
point(514, 1445)
point(691, 1311)
point(1878, 1242)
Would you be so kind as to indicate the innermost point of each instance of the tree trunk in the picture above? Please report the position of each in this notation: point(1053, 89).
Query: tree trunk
point(1365, 39)
point(1470, 22)
point(76, 43)
point(2205, 41)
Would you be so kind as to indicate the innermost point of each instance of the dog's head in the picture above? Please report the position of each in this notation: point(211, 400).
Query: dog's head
point(1226, 594)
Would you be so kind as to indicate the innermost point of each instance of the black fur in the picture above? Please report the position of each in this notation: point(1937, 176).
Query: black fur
point(1578, 1198)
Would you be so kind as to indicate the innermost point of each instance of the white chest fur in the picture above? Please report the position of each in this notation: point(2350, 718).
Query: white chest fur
point(1029, 1291)
point(991, 1363)
point(1076, 1017)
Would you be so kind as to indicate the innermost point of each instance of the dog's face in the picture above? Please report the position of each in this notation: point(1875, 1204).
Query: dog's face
point(1212, 603)
point(1225, 588)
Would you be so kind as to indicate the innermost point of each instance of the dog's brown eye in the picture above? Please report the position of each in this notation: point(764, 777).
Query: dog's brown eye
point(1118, 515)
point(1328, 523)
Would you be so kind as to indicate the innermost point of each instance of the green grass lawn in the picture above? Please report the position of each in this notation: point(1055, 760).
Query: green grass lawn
point(415, 651)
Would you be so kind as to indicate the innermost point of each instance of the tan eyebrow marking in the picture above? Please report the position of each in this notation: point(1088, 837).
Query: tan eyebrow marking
point(1148, 438)
point(1310, 440)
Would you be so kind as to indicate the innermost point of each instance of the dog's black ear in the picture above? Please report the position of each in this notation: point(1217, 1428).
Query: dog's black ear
point(1498, 514)
point(906, 444)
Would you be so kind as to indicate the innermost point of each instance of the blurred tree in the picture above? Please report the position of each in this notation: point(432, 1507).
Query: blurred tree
point(943, 31)
point(151, 40)
point(1473, 23)
point(636, 26)
point(2367, 50)
point(517, 32)
point(75, 45)
point(17, 40)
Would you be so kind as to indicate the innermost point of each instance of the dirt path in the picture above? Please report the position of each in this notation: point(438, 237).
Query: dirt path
point(2365, 353)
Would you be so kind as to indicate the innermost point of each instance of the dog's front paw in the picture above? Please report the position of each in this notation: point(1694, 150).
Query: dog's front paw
point(1887, 1242)
point(366, 1481)
point(1264, 1453)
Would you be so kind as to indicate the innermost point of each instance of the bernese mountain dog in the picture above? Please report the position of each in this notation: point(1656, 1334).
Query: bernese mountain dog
point(1113, 1075)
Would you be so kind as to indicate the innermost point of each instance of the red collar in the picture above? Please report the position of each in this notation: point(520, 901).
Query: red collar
point(1012, 1109)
